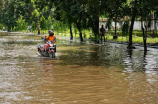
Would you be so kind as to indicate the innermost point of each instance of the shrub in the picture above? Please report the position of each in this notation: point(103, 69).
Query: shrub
point(21, 24)
point(43, 23)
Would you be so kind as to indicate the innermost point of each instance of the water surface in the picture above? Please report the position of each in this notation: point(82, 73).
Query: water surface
point(80, 74)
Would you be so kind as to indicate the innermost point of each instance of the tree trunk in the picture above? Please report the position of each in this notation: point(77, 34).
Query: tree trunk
point(115, 26)
point(95, 25)
point(71, 34)
point(96, 28)
point(144, 39)
point(80, 31)
point(38, 28)
point(144, 36)
point(38, 31)
point(131, 32)
point(130, 45)
point(81, 38)
point(155, 24)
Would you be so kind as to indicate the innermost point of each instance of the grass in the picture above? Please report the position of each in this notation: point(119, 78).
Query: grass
point(136, 40)
point(88, 34)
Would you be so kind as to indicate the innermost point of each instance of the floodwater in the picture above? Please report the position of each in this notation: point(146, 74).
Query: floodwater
point(80, 74)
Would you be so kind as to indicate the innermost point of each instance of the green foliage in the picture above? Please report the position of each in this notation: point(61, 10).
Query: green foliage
point(18, 13)
point(1, 26)
point(34, 26)
point(8, 17)
point(56, 25)
point(43, 23)
point(35, 14)
point(21, 24)
point(95, 38)
point(14, 28)
point(125, 28)
point(108, 24)
point(49, 23)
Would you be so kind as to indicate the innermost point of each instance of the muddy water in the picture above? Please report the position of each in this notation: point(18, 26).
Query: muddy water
point(80, 73)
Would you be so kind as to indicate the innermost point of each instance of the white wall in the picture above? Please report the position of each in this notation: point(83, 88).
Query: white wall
point(137, 25)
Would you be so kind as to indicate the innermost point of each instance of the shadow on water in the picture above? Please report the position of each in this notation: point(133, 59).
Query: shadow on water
point(22, 42)
point(108, 55)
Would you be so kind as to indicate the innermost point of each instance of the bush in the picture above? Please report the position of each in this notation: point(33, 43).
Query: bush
point(43, 23)
point(1, 27)
point(33, 26)
point(21, 24)
point(49, 23)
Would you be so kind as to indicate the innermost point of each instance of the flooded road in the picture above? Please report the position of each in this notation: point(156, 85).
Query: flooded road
point(80, 73)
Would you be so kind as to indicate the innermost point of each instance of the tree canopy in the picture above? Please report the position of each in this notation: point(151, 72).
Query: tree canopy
point(83, 14)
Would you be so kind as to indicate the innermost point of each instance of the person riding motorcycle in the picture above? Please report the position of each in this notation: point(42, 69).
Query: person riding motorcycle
point(51, 37)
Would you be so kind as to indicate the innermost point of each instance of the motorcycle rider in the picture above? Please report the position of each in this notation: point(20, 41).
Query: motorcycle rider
point(51, 37)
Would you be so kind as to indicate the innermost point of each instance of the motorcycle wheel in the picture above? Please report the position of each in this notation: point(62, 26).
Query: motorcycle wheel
point(40, 52)
point(52, 55)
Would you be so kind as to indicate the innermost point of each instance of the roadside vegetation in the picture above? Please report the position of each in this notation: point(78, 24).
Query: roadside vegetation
point(80, 18)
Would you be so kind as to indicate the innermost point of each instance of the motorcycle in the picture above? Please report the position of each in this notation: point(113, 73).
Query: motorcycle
point(48, 49)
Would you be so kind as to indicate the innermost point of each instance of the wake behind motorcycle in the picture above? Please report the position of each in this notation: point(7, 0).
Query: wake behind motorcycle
point(48, 49)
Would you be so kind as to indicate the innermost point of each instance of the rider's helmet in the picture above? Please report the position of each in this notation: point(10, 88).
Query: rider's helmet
point(51, 33)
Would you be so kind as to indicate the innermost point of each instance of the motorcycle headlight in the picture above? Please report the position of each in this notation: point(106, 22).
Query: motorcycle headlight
point(51, 45)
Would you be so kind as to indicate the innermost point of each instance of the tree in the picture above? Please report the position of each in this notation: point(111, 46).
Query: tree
point(93, 13)
point(63, 13)
point(3, 4)
point(115, 10)
point(8, 16)
point(28, 9)
point(75, 12)
point(133, 15)
point(145, 14)
point(43, 23)
point(21, 24)
point(49, 23)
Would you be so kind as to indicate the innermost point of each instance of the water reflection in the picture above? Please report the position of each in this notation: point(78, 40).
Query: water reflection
point(138, 60)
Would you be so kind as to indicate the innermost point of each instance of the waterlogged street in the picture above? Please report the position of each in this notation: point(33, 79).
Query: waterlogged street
point(80, 74)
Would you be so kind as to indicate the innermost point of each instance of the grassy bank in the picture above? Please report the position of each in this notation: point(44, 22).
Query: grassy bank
point(88, 34)
point(108, 36)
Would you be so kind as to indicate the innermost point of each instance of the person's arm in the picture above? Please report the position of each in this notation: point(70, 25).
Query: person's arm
point(55, 39)
point(100, 31)
point(104, 31)
point(47, 37)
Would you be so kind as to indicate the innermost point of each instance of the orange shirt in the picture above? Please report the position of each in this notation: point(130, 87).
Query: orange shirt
point(51, 38)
